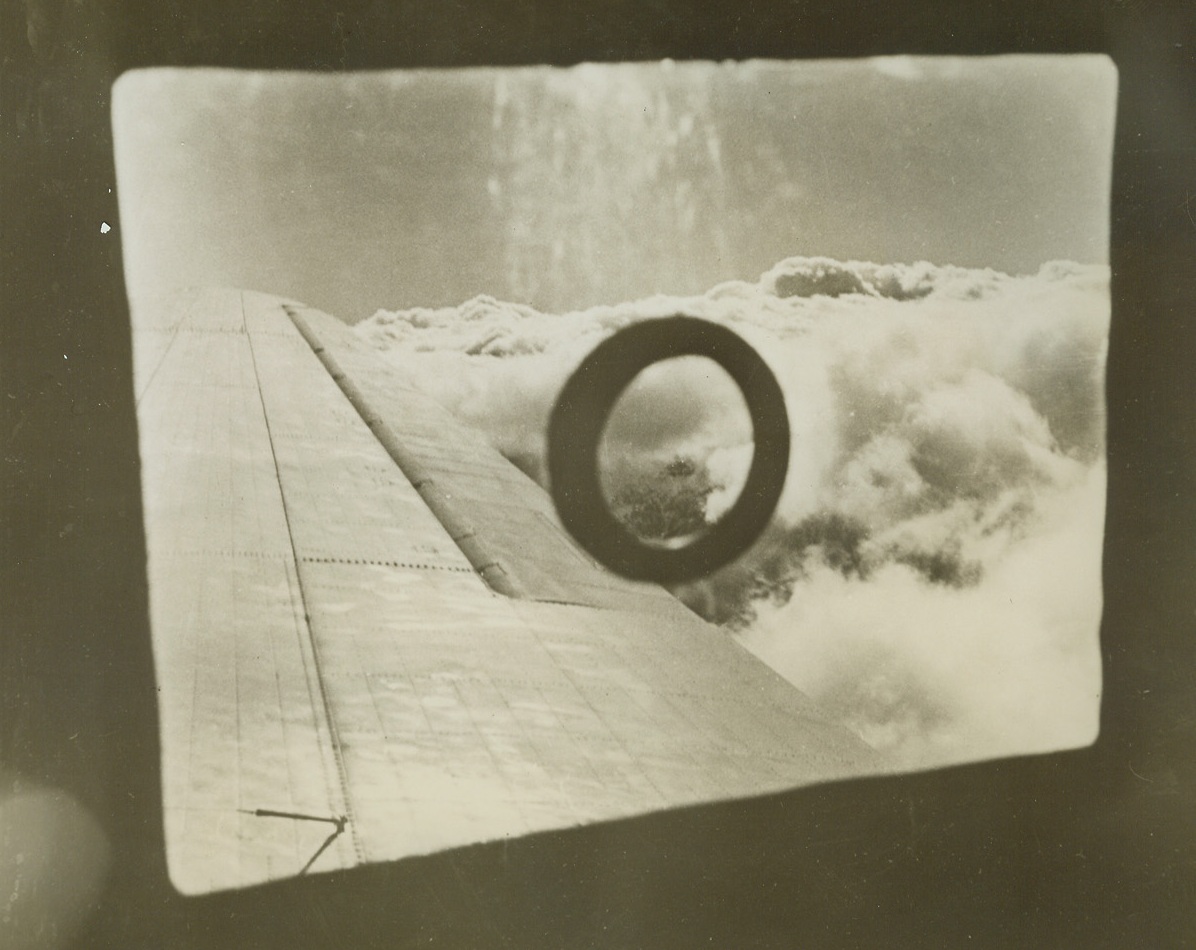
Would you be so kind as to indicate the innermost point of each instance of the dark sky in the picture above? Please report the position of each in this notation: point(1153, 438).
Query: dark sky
point(565, 188)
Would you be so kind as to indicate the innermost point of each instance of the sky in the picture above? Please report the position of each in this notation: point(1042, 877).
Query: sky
point(566, 188)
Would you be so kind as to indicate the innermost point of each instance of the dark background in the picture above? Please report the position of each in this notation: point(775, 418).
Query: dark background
point(1090, 848)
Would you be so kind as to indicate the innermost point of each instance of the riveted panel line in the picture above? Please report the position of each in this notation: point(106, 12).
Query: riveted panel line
point(336, 745)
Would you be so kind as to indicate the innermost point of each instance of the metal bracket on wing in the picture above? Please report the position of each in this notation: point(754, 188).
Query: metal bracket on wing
point(340, 822)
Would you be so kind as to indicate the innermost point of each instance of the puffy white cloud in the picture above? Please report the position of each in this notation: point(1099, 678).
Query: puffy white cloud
point(935, 674)
point(933, 573)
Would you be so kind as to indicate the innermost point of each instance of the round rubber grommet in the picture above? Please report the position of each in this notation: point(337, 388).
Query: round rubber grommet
point(579, 419)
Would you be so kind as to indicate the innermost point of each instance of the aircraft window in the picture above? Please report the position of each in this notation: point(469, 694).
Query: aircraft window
point(917, 248)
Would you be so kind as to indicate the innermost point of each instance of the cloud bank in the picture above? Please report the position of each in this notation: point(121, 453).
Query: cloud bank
point(932, 576)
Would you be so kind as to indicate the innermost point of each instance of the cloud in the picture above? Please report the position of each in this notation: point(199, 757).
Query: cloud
point(935, 674)
point(932, 575)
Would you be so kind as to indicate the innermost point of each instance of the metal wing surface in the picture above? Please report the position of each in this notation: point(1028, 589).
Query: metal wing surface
point(372, 639)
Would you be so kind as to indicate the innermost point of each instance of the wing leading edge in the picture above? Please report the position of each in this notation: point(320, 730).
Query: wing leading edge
point(372, 639)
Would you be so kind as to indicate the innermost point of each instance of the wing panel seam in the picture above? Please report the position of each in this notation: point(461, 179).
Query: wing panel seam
point(485, 562)
point(342, 774)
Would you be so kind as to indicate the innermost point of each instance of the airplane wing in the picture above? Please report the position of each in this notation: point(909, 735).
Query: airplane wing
point(373, 640)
